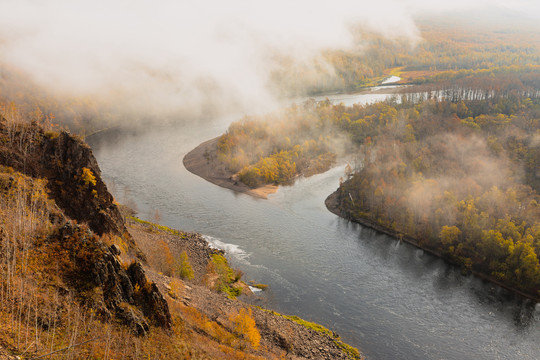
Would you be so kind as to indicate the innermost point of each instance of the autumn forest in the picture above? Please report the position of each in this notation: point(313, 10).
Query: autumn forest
point(444, 155)
point(451, 162)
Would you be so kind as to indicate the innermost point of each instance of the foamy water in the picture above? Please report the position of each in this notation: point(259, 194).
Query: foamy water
point(230, 249)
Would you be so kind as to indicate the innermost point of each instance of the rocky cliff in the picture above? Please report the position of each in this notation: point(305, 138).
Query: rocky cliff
point(72, 173)
point(83, 214)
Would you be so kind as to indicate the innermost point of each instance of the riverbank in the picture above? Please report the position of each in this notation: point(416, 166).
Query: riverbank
point(207, 313)
point(332, 204)
point(201, 161)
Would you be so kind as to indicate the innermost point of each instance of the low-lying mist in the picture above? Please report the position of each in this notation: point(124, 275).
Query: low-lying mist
point(186, 59)
point(177, 56)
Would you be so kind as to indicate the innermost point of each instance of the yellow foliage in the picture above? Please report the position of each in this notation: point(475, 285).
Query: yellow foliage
point(184, 267)
point(245, 326)
point(88, 177)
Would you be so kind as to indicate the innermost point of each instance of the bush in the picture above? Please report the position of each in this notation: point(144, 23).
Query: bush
point(184, 267)
point(226, 276)
point(244, 325)
point(88, 177)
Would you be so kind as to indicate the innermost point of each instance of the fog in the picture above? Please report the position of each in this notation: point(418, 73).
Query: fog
point(170, 57)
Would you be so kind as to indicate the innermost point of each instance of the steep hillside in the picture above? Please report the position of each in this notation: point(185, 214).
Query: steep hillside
point(73, 175)
point(76, 282)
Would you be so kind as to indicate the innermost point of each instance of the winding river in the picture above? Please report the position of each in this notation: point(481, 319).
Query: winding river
point(389, 299)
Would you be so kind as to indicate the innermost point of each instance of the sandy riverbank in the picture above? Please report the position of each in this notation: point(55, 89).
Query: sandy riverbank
point(201, 162)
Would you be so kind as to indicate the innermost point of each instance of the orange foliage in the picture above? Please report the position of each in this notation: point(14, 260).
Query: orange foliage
point(245, 326)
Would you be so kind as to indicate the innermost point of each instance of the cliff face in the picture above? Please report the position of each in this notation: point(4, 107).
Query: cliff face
point(67, 163)
point(126, 293)
point(81, 217)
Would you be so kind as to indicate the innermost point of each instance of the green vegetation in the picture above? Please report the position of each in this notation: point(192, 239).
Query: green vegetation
point(158, 226)
point(308, 324)
point(259, 286)
point(184, 267)
point(227, 278)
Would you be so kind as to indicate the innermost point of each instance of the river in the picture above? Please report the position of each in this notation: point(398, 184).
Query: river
point(390, 299)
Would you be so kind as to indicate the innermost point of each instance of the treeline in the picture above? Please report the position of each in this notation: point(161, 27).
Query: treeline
point(81, 114)
point(460, 177)
point(496, 76)
point(445, 50)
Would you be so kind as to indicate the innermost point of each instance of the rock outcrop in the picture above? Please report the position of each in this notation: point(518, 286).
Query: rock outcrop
point(96, 275)
point(83, 215)
point(74, 177)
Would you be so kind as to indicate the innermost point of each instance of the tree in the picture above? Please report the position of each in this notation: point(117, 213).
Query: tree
point(244, 325)
point(449, 235)
point(184, 267)
point(88, 177)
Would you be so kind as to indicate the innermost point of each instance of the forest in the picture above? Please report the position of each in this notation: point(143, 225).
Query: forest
point(458, 44)
point(457, 168)
point(460, 177)
point(275, 148)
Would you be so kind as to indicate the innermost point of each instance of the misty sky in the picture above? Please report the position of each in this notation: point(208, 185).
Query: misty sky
point(178, 52)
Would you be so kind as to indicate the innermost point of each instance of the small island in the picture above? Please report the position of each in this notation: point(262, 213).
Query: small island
point(200, 162)
point(257, 154)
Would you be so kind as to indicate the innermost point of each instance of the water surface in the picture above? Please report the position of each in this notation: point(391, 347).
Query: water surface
point(391, 300)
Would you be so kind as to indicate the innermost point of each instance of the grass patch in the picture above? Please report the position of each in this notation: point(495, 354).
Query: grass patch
point(231, 291)
point(397, 71)
point(158, 227)
point(259, 286)
point(308, 324)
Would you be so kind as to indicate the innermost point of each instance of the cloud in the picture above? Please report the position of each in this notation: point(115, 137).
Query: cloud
point(181, 54)
point(170, 52)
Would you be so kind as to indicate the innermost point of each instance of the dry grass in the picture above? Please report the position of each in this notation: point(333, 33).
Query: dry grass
point(41, 316)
